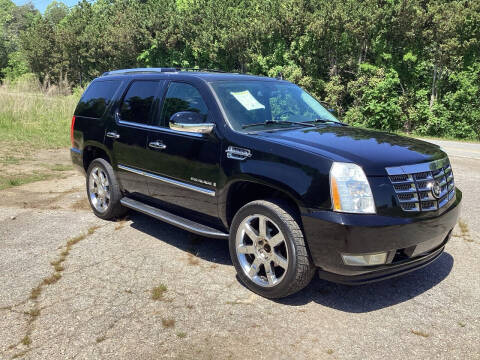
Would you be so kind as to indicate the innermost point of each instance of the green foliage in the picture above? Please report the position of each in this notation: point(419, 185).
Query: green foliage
point(409, 65)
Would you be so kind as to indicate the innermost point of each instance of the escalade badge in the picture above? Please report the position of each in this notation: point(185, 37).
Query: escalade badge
point(436, 189)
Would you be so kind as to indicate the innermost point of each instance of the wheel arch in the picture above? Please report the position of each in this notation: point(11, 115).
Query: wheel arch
point(242, 191)
point(93, 151)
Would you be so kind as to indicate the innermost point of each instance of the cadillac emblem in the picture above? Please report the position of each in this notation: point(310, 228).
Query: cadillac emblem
point(436, 189)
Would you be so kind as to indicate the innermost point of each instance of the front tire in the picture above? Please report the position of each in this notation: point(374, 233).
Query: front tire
point(268, 249)
point(103, 190)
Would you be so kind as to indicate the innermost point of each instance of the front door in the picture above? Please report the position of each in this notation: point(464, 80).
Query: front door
point(130, 134)
point(186, 165)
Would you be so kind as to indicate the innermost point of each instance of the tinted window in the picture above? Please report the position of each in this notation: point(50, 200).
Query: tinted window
point(182, 97)
point(96, 99)
point(138, 101)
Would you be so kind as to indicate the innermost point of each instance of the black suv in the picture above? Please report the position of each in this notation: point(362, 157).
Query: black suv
point(260, 162)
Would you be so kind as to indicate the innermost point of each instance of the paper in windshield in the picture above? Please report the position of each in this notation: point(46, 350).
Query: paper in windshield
point(247, 100)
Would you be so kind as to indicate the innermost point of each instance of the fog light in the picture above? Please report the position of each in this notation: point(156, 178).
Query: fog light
point(365, 260)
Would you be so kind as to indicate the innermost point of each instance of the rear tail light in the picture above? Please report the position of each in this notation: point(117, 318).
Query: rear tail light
point(71, 129)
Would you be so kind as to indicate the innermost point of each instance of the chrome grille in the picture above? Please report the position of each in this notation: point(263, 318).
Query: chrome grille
point(423, 187)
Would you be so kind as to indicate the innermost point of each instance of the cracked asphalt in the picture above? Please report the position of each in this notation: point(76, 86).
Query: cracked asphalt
point(100, 305)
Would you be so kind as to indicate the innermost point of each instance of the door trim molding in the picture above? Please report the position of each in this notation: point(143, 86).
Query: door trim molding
point(168, 181)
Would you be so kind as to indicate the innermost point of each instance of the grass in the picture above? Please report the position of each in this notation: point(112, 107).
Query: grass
point(61, 167)
point(7, 181)
point(158, 292)
point(181, 334)
point(445, 138)
point(36, 119)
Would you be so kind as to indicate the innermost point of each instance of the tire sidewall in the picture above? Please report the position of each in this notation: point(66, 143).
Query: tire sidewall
point(280, 289)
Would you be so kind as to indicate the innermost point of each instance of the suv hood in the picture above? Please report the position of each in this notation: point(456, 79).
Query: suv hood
point(373, 150)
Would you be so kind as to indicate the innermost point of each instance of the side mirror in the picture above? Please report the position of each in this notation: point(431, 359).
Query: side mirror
point(189, 121)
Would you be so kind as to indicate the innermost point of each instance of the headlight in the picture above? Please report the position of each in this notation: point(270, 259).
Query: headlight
point(350, 189)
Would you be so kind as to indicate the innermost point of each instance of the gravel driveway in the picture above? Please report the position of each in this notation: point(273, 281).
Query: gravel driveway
point(74, 286)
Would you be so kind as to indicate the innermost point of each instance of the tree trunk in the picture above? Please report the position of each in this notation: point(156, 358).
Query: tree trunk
point(433, 96)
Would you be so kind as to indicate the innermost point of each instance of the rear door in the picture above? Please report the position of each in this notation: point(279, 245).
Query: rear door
point(129, 134)
point(186, 166)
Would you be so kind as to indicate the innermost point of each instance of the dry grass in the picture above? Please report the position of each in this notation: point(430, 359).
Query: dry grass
point(81, 204)
point(464, 231)
point(420, 333)
point(463, 227)
point(168, 323)
point(158, 292)
point(193, 259)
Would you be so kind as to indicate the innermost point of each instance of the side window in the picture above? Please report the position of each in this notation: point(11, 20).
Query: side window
point(182, 97)
point(96, 98)
point(138, 101)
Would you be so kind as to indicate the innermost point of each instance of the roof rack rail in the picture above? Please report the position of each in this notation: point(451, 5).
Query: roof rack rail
point(206, 70)
point(139, 71)
point(162, 69)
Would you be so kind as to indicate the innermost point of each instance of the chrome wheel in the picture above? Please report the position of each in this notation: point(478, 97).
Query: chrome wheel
point(99, 189)
point(262, 250)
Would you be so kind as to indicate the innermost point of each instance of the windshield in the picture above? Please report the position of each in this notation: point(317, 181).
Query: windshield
point(260, 105)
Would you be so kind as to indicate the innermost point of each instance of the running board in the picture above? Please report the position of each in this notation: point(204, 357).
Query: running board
point(173, 219)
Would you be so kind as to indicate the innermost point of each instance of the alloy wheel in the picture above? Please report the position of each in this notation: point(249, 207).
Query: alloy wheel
point(262, 250)
point(99, 189)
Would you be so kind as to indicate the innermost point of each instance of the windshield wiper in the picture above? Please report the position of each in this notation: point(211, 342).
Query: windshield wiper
point(269, 122)
point(324, 121)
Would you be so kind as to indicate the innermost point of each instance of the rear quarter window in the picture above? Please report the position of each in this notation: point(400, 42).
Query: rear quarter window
point(96, 98)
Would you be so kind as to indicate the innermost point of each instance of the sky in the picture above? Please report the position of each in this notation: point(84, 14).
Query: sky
point(42, 4)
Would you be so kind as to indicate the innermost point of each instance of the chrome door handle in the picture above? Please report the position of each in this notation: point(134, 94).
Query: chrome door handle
point(157, 145)
point(113, 134)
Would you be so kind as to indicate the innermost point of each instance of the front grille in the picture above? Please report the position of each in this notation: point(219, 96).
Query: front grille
point(423, 187)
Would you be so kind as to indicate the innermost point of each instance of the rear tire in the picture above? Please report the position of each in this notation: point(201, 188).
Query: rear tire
point(268, 249)
point(103, 190)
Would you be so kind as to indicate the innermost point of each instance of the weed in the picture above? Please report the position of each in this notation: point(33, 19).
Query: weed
point(52, 279)
point(420, 333)
point(330, 351)
point(181, 334)
point(33, 313)
point(26, 340)
point(168, 323)
point(92, 229)
point(461, 324)
point(58, 261)
point(158, 292)
point(35, 293)
point(20, 354)
point(76, 239)
point(100, 339)
point(58, 268)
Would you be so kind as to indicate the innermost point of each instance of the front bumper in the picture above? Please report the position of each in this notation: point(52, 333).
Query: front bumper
point(410, 242)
